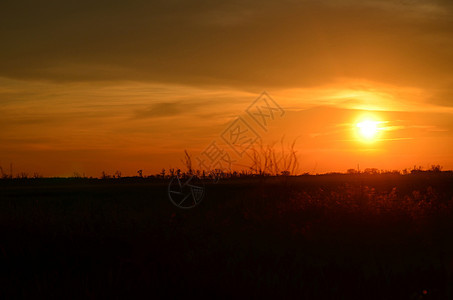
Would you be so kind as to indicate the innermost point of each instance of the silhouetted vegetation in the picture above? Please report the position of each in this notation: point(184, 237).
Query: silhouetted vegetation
point(356, 236)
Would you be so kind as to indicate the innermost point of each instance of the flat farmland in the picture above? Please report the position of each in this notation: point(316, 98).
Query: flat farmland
point(307, 237)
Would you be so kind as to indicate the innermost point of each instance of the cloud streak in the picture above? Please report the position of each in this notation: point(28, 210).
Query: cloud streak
point(266, 44)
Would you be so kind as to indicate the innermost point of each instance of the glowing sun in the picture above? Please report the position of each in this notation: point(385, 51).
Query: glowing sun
point(368, 129)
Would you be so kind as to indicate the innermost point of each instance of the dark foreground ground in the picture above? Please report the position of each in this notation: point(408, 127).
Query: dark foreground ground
point(310, 237)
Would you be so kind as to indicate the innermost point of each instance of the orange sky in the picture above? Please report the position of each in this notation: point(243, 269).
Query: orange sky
point(91, 87)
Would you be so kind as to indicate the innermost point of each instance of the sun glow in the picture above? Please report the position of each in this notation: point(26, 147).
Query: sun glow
point(368, 129)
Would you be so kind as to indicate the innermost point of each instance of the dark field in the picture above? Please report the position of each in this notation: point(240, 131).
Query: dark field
point(308, 237)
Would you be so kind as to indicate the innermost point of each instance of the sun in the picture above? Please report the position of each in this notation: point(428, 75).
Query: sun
point(368, 129)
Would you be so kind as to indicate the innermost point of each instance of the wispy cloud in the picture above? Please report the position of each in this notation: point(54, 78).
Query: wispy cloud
point(166, 109)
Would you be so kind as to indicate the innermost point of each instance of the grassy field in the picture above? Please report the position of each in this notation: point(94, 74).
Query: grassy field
point(307, 237)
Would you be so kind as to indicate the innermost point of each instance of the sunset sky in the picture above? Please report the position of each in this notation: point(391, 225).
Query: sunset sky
point(92, 86)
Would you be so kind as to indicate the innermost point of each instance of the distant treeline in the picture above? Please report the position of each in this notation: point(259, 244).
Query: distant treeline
point(217, 174)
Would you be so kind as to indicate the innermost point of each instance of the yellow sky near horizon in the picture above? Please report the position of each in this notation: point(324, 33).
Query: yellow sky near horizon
point(90, 86)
